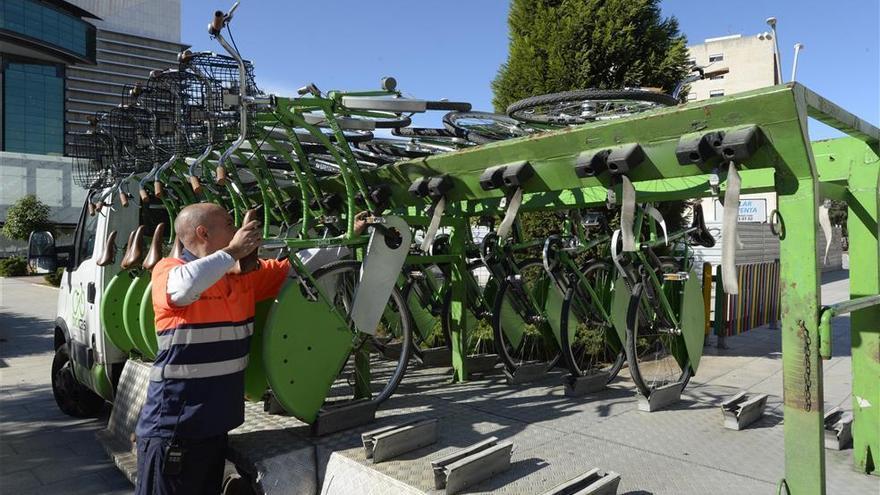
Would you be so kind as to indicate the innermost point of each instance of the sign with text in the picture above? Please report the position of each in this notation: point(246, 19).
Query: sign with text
point(750, 210)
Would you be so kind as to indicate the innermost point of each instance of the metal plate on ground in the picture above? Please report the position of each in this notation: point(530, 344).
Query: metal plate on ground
point(693, 319)
point(112, 316)
point(305, 345)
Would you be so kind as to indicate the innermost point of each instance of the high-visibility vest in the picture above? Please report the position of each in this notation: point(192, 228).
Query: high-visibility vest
point(198, 375)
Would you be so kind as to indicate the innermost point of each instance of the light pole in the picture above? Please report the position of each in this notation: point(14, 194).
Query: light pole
point(771, 21)
point(797, 50)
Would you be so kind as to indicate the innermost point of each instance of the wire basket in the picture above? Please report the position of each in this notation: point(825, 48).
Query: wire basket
point(92, 155)
point(130, 127)
point(223, 73)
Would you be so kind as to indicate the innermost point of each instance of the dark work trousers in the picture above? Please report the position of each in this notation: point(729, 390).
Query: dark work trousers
point(202, 468)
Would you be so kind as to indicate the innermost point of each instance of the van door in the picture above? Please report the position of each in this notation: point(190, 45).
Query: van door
point(82, 287)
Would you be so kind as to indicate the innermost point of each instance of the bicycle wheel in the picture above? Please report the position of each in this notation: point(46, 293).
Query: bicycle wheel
point(588, 340)
point(521, 331)
point(588, 105)
point(481, 287)
point(379, 359)
point(483, 127)
point(656, 354)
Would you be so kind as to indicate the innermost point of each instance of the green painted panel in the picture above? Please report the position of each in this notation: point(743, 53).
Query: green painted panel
point(511, 323)
point(693, 319)
point(619, 305)
point(255, 382)
point(111, 311)
point(147, 322)
point(305, 345)
point(424, 321)
point(553, 312)
point(131, 311)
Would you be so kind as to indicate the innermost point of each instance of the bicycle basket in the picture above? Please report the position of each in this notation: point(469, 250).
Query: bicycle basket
point(92, 159)
point(223, 72)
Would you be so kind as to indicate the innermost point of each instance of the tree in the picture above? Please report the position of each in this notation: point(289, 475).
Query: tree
point(561, 45)
point(25, 216)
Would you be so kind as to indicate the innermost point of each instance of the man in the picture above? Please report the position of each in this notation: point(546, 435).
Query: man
point(204, 309)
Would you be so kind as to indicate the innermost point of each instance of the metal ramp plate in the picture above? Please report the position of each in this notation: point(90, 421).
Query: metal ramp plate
point(660, 397)
point(741, 410)
point(391, 441)
point(130, 397)
point(593, 482)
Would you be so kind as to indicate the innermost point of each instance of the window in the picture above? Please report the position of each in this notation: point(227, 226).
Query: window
point(715, 93)
point(33, 108)
point(41, 22)
point(85, 236)
point(692, 96)
point(717, 57)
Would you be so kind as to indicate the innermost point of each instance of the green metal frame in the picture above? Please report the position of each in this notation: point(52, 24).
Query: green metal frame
point(786, 164)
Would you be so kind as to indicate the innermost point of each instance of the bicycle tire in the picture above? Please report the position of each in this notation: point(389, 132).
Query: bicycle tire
point(472, 345)
point(423, 132)
point(636, 368)
point(519, 109)
point(339, 267)
point(452, 121)
point(511, 362)
point(570, 354)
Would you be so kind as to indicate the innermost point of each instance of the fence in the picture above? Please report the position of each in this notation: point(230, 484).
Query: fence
point(756, 304)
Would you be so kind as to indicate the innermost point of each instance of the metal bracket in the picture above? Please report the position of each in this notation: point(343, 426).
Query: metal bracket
point(526, 373)
point(578, 386)
point(471, 465)
point(389, 442)
point(593, 482)
point(838, 429)
point(660, 397)
point(356, 413)
point(741, 410)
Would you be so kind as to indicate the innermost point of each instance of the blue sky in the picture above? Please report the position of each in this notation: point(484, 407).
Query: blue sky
point(452, 49)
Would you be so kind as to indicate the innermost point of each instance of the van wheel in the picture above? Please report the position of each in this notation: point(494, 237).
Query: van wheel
point(72, 397)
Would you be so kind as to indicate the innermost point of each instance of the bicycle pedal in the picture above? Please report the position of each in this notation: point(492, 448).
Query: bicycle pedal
point(677, 276)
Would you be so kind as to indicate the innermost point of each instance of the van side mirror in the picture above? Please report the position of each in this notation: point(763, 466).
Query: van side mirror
point(41, 254)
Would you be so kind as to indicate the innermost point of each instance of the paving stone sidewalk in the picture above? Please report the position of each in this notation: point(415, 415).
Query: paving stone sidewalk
point(42, 450)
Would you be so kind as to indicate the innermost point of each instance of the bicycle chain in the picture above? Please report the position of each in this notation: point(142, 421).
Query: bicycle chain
point(808, 394)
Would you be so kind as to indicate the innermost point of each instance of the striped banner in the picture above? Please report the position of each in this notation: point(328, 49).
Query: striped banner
point(758, 300)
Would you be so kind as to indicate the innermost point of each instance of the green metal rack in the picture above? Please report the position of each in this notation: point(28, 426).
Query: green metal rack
point(785, 162)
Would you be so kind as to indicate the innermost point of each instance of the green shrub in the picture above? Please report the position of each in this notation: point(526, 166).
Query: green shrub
point(55, 278)
point(13, 267)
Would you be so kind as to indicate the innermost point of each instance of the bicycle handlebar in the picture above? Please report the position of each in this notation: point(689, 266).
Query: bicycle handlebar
point(220, 19)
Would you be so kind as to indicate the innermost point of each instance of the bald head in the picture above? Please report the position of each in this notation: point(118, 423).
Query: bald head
point(203, 228)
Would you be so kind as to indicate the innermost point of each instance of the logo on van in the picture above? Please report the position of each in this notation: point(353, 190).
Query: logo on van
point(78, 304)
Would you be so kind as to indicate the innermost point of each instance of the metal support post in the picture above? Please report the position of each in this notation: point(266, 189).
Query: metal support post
point(802, 366)
point(864, 280)
point(458, 327)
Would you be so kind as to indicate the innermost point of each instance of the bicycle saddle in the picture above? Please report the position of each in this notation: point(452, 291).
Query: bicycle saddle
point(701, 236)
point(108, 255)
point(155, 252)
point(135, 252)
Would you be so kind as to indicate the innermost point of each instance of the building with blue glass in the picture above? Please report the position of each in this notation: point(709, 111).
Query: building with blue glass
point(60, 63)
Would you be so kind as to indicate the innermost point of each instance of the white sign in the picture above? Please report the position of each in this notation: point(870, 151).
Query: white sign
point(750, 210)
